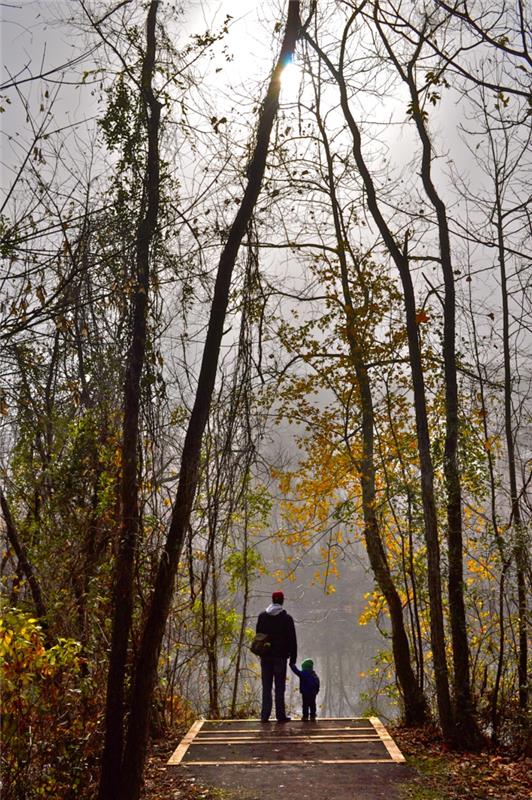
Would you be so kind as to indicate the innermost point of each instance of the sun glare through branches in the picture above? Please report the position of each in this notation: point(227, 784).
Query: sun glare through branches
point(290, 82)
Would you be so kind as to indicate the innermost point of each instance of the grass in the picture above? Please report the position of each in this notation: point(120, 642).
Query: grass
point(432, 773)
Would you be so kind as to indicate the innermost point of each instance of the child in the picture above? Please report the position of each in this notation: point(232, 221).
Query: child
point(309, 686)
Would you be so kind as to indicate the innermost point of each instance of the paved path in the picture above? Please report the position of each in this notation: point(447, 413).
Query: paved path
point(344, 759)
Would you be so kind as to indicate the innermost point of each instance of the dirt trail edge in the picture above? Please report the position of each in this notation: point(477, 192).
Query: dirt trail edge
point(344, 759)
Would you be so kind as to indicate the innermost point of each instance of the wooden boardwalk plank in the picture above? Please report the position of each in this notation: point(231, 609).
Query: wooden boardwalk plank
point(319, 739)
point(387, 740)
point(265, 730)
point(351, 740)
point(223, 762)
point(186, 741)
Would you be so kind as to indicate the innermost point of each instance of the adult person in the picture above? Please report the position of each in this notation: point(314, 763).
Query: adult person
point(280, 629)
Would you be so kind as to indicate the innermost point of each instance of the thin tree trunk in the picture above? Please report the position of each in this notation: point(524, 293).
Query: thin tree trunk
point(24, 562)
point(420, 405)
point(408, 575)
point(498, 538)
point(519, 544)
point(211, 639)
point(417, 631)
point(123, 575)
point(242, 631)
point(242, 402)
point(409, 568)
point(467, 728)
point(146, 666)
point(415, 705)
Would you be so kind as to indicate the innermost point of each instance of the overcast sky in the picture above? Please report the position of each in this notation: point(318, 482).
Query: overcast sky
point(47, 37)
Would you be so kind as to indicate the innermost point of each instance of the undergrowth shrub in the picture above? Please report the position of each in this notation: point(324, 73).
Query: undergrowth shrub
point(48, 721)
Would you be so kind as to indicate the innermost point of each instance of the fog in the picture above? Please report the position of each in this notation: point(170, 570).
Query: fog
point(39, 39)
point(328, 631)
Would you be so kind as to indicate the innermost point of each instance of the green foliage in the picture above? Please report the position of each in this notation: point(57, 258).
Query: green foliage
point(120, 123)
point(241, 564)
point(413, 110)
point(45, 738)
point(382, 691)
point(64, 505)
point(224, 624)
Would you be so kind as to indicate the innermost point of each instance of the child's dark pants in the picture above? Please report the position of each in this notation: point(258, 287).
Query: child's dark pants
point(309, 705)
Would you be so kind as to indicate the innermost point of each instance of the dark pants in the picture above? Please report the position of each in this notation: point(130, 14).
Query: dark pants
point(309, 705)
point(273, 669)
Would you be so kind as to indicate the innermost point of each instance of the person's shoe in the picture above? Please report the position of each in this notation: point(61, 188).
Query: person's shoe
point(304, 719)
point(264, 720)
point(313, 719)
point(285, 719)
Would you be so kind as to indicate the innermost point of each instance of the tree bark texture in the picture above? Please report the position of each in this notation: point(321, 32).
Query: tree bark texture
point(146, 665)
point(129, 529)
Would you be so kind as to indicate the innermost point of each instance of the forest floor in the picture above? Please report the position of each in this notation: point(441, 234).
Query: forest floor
point(435, 774)
point(445, 775)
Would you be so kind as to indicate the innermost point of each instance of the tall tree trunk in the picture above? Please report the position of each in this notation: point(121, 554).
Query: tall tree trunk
point(407, 557)
point(400, 257)
point(415, 704)
point(242, 394)
point(210, 605)
point(505, 561)
point(123, 574)
point(468, 731)
point(245, 601)
point(520, 554)
point(146, 665)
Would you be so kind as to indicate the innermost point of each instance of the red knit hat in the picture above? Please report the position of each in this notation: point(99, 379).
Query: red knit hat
point(277, 597)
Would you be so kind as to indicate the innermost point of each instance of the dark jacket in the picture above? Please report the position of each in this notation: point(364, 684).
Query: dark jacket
point(281, 629)
point(309, 683)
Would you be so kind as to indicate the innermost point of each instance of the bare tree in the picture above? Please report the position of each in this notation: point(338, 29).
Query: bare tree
point(146, 664)
point(123, 579)
point(400, 256)
point(468, 729)
point(415, 705)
